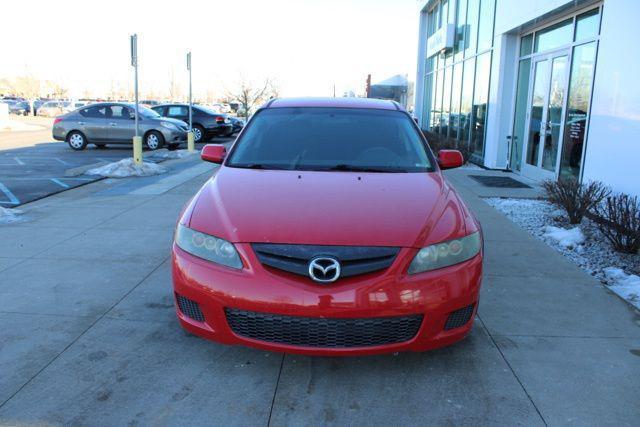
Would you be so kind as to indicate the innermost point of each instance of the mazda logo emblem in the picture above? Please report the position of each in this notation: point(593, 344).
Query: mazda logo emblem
point(324, 269)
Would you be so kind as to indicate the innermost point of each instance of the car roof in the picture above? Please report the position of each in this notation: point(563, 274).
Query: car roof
point(371, 103)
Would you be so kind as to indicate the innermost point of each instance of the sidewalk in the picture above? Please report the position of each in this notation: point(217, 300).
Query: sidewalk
point(89, 334)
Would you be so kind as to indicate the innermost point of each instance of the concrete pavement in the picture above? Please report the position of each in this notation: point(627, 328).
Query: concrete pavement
point(89, 334)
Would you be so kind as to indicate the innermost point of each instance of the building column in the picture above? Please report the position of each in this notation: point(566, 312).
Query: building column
point(420, 74)
point(504, 71)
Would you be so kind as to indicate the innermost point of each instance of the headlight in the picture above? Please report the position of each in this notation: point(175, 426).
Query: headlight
point(169, 125)
point(446, 253)
point(207, 247)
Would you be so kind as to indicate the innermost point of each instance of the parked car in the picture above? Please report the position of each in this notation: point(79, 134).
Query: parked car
point(328, 229)
point(21, 108)
point(37, 104)
point(114, 123)
point(74, 105)
point(237, 123)
point(206, 123)
point(53, 108)
point(149, 103)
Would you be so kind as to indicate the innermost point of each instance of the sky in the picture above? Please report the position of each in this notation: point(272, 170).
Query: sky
point(305, 46)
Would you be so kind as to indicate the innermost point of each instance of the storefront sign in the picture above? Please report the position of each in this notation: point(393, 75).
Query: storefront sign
point(441, 39)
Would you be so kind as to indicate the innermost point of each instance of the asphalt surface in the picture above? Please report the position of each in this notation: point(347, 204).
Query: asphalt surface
point(33, 165)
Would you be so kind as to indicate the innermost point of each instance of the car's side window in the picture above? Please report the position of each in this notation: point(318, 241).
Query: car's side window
point(177, 111)
point(120, 112)
point(94, 112)
point(160, 110)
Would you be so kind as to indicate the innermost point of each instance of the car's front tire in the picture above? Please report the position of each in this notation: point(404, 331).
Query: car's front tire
point(154, 140)
point(76, 140)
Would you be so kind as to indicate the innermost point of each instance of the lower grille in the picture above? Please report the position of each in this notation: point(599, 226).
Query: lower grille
point(323, 332)
point(459, 317)
point(189, 308)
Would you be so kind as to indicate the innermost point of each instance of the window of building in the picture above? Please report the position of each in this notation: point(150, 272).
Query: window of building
point(471, 35)
point(587, 25)
point(574, 38)
point(480, 100)
point(485, 26)
point(575, 126)
point(526, 43)
point(455, 99)
point(466, 99)
point(461, 21)
point(456, 91)
point(555, 36)
point(446, 101)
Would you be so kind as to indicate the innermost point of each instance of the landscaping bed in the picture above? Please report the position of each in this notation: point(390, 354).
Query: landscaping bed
point(584, 243)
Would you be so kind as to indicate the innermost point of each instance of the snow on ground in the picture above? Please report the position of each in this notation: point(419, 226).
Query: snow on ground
point(584, 244)
point(570, 239)
point(127, 167)
point(625, 285)
point(8, 216)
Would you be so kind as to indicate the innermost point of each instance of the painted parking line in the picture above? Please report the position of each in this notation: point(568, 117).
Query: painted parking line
point(60, 183)
point(18, 161)
point(13, 200)
point(61, 161)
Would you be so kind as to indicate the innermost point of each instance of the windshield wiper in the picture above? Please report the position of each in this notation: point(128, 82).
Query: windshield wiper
point(257, 166)
point(354, 168)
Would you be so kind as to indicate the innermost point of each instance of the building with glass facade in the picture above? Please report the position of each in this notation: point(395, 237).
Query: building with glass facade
point(545, 88)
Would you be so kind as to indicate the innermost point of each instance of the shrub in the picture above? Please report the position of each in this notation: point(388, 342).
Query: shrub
point(618, 218)
point(438, 142)
point(575, 198)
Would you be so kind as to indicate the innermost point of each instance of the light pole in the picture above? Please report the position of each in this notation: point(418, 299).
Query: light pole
point(190, 140)
point(137, 140)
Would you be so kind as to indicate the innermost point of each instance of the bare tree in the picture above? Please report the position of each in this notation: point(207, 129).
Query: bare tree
point(248, 94)
point(175, 92)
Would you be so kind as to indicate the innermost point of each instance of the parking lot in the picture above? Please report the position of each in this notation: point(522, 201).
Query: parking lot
point(33, 165)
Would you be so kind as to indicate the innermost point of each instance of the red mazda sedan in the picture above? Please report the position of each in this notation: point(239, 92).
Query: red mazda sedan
point(328, 229)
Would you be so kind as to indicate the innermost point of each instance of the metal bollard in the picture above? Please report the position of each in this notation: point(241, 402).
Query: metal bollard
point(191, 146)
point(137, 150)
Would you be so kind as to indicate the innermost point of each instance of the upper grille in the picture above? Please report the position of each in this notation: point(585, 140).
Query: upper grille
point(323, 332)
point(353, 260)
point(189, 308)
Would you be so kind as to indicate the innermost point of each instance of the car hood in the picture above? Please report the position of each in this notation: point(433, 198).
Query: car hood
point(329, 208)
point(170, 120)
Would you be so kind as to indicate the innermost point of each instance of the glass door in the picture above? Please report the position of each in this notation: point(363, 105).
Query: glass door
point(545, 115)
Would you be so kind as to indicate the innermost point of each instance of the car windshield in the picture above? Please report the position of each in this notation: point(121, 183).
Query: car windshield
point(146, 112)
point(340, 139)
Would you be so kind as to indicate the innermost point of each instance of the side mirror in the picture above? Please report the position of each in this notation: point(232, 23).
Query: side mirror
point(214, 153)
point(449, 159)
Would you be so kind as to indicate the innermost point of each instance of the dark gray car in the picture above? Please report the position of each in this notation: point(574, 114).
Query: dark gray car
point(114, 123)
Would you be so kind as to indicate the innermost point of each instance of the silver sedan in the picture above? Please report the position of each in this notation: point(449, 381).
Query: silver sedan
point(114, 123)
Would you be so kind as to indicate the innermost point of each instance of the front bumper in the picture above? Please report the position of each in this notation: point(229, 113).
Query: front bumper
point(434, 295)
point(174, 136)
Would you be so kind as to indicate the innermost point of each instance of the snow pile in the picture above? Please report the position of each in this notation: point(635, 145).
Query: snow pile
point(8, 216)
point(176, 154)
point(125, 168)
point(584, 245)
point(625, 285)
point(570, 239)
